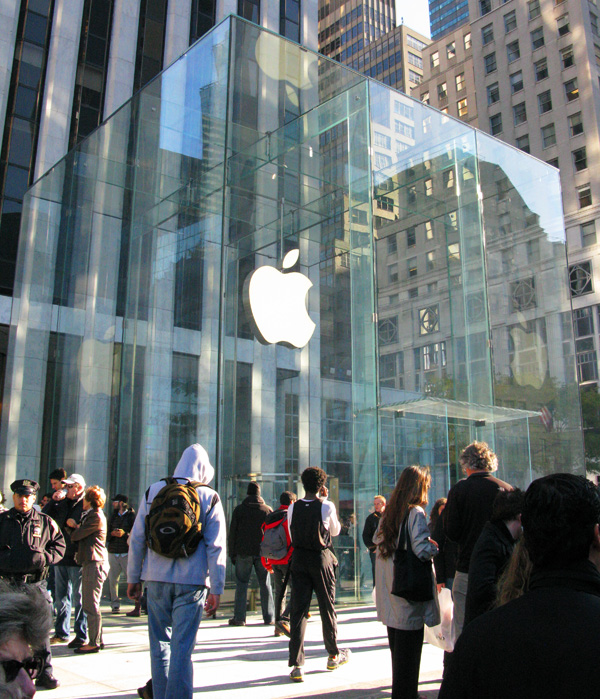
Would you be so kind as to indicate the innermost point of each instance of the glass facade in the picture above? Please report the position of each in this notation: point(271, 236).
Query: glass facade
point(432, 259)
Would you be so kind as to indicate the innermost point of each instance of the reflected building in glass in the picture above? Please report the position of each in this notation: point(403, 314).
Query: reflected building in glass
point(430, 321)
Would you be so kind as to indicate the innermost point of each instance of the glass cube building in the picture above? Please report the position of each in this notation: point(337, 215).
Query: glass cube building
point(416, 291)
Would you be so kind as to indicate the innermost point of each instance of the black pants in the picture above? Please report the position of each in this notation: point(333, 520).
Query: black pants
point(406, 647)
point(282, 610)
point(312, 571)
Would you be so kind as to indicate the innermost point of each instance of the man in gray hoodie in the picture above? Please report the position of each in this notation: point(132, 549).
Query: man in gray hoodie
point(177, 588)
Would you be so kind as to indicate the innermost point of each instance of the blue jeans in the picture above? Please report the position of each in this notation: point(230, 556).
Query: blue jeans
point(67, 586)
point(174, 613)
point(243, 570)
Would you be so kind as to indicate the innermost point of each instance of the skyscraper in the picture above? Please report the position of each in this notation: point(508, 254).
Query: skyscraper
point(446, 15)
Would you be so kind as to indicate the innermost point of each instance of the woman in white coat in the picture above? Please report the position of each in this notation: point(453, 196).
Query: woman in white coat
point(404, 619)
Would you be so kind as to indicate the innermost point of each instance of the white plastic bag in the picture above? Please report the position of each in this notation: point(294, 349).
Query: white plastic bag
point(442, 635)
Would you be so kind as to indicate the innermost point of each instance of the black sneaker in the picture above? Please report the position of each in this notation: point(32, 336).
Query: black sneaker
point(47, 681)
point(235, 622)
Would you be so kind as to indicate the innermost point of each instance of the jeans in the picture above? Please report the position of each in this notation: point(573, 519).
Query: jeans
point(174, 613)
point(459, 596)
point(67, 583)
point(243, 570)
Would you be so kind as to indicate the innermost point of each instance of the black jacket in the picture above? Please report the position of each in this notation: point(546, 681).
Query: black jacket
point(490, 555)
point(118, 544)
point(445, 560)
point(61, 511)
point(468, 508)
point(543, 644)
point(29, 542)
point(245, 532)
point(371, 524)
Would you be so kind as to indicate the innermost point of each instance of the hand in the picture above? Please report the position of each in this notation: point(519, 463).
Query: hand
point(440, 587)
point(117, 532)
point(134, 591)
point(71, 523)
point(212, 604)
point(435, 543)
point(324, 492)
point(59, 495)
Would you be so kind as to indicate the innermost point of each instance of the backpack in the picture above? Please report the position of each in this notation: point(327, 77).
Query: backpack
point(172, 525)
point(274, 545)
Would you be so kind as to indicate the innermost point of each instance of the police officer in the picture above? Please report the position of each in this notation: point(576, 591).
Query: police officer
point(29, 543)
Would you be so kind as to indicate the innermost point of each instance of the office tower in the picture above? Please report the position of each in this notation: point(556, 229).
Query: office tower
point(447, 15)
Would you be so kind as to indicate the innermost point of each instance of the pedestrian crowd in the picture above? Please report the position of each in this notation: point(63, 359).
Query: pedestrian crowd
point(523, 569)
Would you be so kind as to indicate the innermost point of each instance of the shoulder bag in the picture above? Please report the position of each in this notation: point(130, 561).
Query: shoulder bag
point(413, 578)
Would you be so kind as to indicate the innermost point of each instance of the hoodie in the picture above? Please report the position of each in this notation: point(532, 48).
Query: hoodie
point(209, 558)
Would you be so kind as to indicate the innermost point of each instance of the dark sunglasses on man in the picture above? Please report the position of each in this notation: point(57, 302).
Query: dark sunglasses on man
point(32, 667)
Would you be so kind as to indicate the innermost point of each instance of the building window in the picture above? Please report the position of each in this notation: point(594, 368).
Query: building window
point(429, 320)
point(430, 261)
point(545, 102)
point(289, 20)
point(429, 230)
point(571, 90)
point(575, 124)
point(510, 21)
point(425, 97)
point(467, 41)
point(489, 62)
point(594, 23)
point(580, 279)
point(496, 124)
point(493, 93)
point(516, 82)
point(428, 187)
point(541, 69)
point(392, 272)
point(523, 295)
point(442, 90)
point(463, 110)
point(414, 77)
point(411, 266)
point(553, 162)
point(485, 6)
point(411, 237)
point(448, 178)
point(523, 143)
point(537, 38)
point(460, 82)
point(579, 159)
point(435, 59)
point(392, 244)
point(583, 321)
point(566, 57)
point(451, 50)
point(562, 24)
point(388, 330)
point(584, 196)
point(512, 51)
point(534, 8)
point(548, 136)
point(487, 34)
point(588, 234)
point(519, 113)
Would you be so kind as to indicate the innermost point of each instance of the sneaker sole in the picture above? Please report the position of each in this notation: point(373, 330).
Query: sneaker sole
point(297, 679)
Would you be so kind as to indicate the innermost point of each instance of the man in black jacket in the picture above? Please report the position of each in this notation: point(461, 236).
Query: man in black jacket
point(546, 642)
point(67, 572)
point(29, 543)
point(492, 552)
point(468, 508)
point(119, 526)
point(245, 535)
point(371, 524)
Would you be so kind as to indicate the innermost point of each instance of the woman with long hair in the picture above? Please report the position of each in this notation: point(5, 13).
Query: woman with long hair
point(93, 558)
point(404, 619)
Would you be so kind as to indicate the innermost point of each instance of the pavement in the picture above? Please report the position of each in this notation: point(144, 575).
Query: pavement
point(247, 662)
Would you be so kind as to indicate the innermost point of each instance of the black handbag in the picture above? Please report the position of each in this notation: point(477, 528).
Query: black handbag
point(413, 578)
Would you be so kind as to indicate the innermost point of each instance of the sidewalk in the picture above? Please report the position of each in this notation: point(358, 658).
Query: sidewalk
point(243, 662)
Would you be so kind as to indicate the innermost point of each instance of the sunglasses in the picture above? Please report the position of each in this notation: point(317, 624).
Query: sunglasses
point(72, 485)
point(32, 667)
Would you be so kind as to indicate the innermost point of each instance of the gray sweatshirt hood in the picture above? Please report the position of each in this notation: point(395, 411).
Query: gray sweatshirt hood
point(195, 464)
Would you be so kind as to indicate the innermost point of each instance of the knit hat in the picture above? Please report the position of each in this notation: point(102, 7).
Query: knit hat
point(253, 488)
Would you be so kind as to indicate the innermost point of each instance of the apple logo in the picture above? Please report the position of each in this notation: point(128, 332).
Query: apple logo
point(530, 358)
point(275, 303)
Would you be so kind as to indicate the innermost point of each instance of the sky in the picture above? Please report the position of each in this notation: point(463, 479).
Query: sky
point(415, 14)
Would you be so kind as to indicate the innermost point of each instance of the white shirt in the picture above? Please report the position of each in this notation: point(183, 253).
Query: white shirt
point(328, 515)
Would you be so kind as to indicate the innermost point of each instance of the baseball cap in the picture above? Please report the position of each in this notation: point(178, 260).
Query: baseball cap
point(75, 478)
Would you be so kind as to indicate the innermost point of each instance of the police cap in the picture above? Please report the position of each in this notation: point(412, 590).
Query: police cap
point(25, 486)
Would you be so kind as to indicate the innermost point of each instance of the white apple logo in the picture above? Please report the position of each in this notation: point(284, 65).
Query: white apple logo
point(530, 358)
point(276, 304)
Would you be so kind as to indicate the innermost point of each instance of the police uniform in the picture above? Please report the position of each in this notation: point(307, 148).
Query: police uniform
point(29, 543)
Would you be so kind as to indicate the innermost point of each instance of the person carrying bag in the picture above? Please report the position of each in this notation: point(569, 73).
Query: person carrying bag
point(406, 594)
